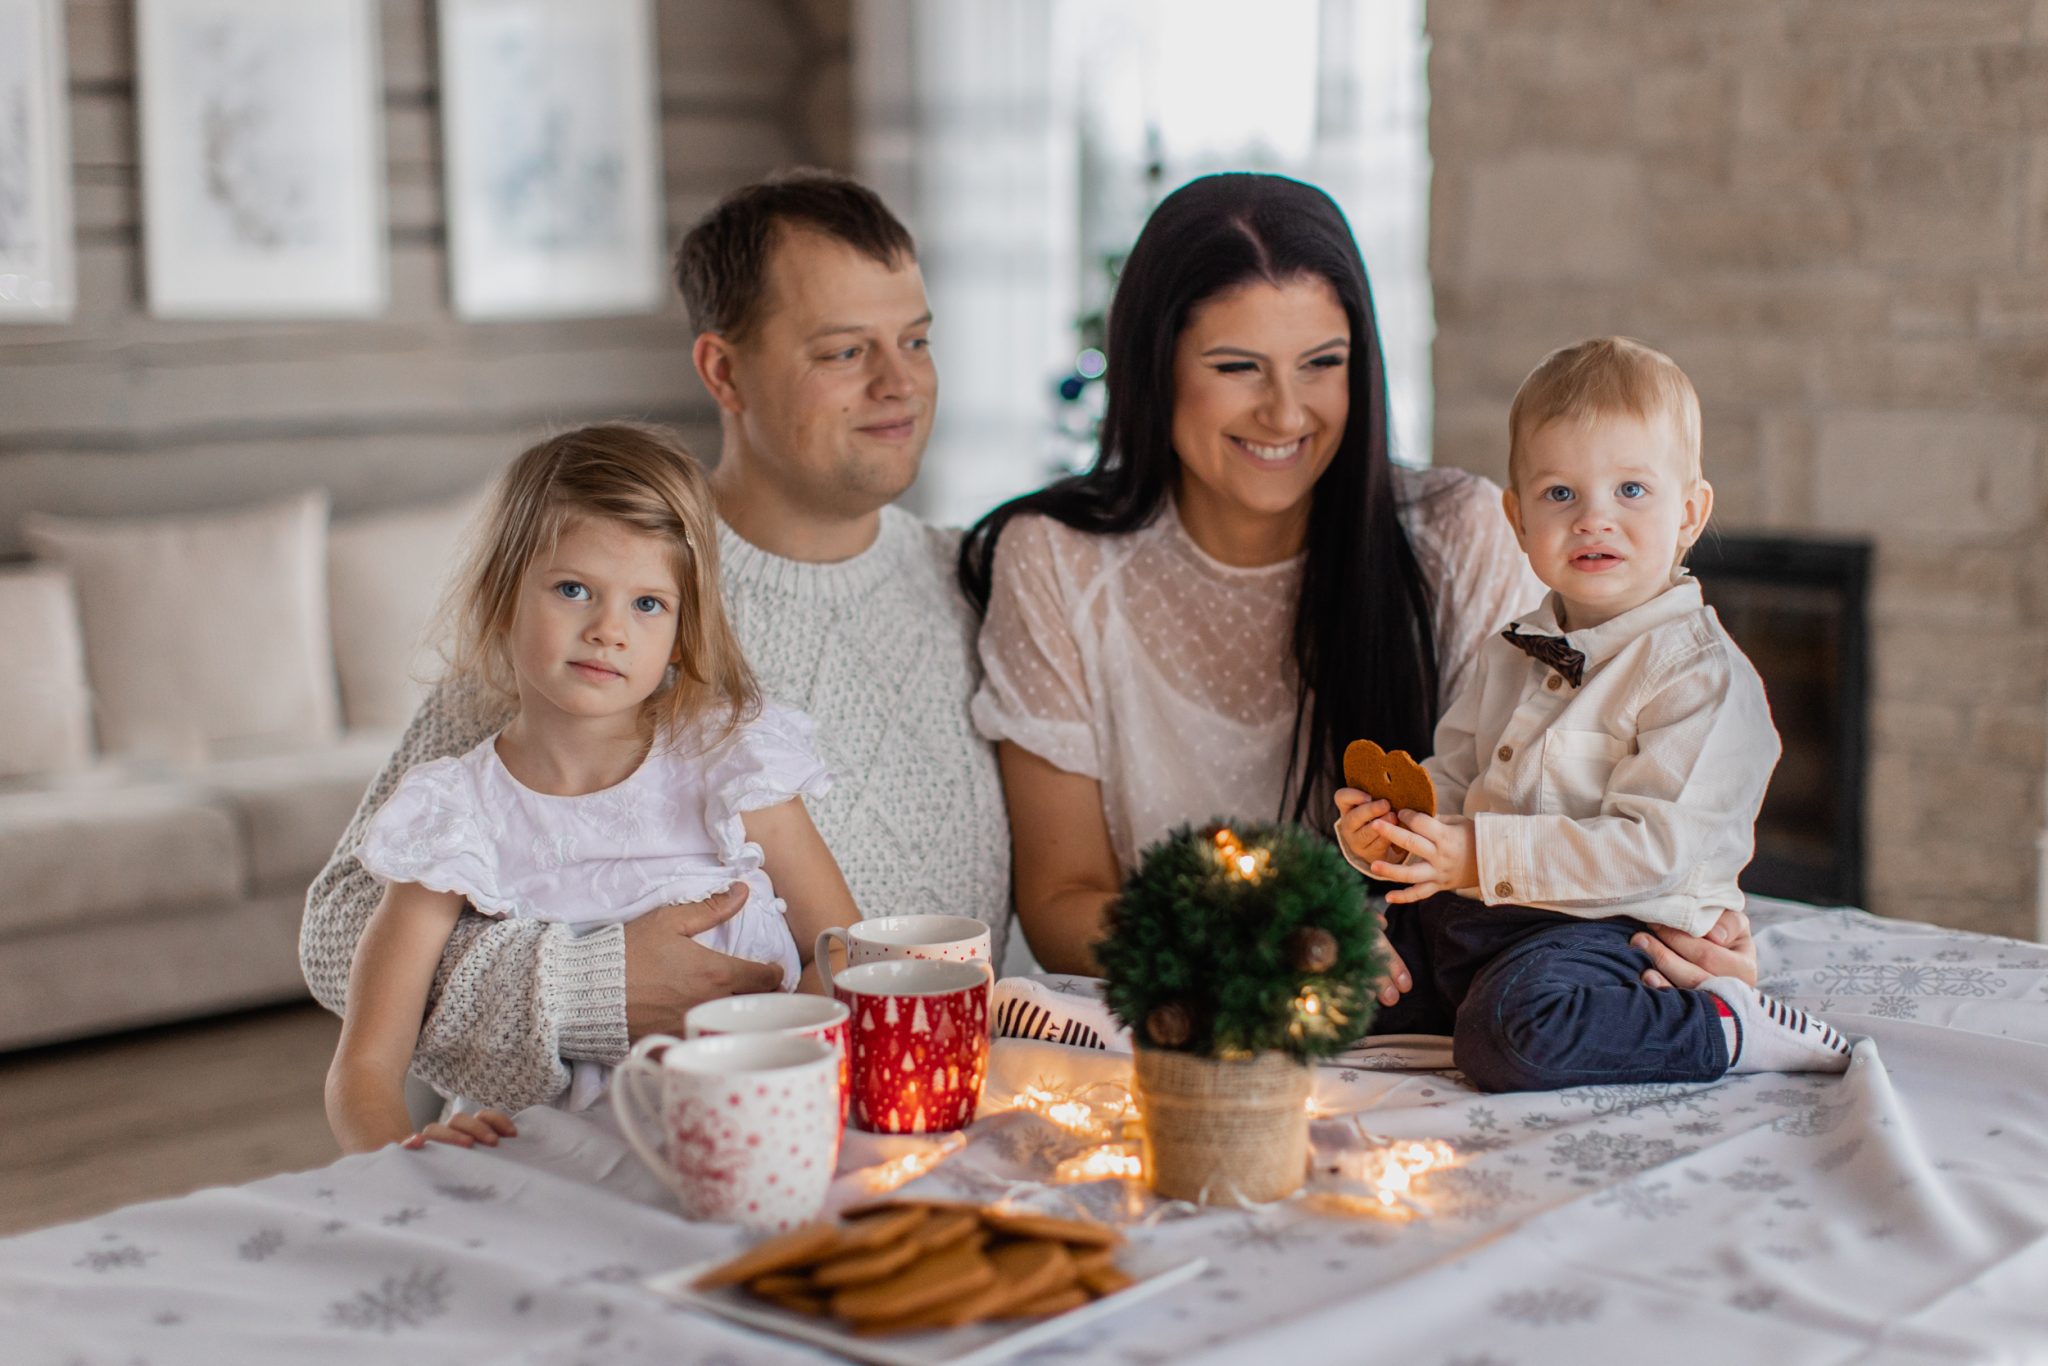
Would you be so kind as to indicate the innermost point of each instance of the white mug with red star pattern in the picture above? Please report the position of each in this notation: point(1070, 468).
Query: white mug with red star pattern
point(744, 1128)
point(924, 938)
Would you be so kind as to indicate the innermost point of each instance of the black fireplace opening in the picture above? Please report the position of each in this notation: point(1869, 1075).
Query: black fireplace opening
point(1797, 607)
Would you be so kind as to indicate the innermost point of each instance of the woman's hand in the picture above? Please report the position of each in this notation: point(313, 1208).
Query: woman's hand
point(1365, 845)
point(1397, 981)
point(466, 1131)
point(1679, 959)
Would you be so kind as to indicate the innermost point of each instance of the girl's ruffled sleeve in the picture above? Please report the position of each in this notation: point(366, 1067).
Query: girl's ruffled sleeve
point(430, 832)
point(768, 761)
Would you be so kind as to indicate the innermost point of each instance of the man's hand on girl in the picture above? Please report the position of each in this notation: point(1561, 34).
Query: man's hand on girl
point(1440, 856)
point(466, 1131)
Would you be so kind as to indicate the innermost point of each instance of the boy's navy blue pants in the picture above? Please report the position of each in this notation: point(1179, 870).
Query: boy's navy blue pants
point(1537, 1000)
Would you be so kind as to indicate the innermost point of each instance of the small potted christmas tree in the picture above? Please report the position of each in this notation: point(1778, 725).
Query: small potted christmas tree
point(1237, 955)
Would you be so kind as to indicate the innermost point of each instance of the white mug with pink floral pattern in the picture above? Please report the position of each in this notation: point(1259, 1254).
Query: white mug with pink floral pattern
point(744, 1128)
point(920, 938)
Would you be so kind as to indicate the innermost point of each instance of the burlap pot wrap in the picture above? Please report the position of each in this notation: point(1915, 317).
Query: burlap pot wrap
point(1222, 1131)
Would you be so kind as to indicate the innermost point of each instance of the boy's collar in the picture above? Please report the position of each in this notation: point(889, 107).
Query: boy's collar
point(1600, 643)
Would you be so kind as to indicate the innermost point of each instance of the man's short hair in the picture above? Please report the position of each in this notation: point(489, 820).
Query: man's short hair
point(722, 266)
point(1605, 377)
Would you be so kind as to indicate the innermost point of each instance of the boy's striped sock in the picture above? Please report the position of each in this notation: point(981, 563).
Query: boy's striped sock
point(1766, 1034)
point(1056, 1009)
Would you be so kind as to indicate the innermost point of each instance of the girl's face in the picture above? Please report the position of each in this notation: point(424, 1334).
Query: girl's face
point(1261, 391)
point(595, 626)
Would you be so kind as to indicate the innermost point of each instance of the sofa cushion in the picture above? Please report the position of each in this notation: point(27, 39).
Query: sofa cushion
point(45, 712)
point(202, 634)
point(76, 854)
point(82, 981)
point(293, 808)
point(385, 577)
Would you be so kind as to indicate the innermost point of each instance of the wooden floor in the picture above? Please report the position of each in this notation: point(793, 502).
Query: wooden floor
point(90, 1127)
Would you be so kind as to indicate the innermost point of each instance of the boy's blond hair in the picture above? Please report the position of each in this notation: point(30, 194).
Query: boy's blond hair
point(1605, 377)
point(643, 478)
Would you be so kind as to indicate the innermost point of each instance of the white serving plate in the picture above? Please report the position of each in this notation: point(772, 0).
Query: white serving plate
point(973, 1345)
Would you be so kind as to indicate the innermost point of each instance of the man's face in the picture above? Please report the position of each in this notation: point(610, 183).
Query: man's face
point(836, 376)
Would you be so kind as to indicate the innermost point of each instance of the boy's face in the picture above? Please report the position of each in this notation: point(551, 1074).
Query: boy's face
point(1603, 510)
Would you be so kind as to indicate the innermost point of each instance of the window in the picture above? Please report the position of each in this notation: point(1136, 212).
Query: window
point(1026, 140)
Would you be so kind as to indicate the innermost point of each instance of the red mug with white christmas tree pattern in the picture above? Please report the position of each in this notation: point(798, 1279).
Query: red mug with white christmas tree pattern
point(920, 1043)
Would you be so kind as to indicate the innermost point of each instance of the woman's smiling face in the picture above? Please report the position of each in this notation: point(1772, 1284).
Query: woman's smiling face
point(1262, 389)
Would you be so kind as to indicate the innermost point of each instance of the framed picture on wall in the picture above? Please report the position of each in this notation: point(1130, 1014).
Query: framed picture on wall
point(37, 265)
point(551, 120)
point(262, 158)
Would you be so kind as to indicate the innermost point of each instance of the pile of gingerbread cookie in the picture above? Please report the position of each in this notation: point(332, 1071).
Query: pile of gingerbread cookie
point(905, 1266)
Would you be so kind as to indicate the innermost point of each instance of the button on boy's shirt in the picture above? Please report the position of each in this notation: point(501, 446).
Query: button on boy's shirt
point(1634, 794)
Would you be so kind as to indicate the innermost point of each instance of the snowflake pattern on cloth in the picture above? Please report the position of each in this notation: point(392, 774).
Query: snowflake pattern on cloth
point(1902, 1197)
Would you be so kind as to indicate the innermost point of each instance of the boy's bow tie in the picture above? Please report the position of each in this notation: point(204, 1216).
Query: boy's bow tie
point(1555, 651)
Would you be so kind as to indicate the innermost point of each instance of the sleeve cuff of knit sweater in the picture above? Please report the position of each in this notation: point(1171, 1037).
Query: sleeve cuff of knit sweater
point(584, 990)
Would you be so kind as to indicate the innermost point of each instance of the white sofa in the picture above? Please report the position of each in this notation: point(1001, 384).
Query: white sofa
point(190, 709)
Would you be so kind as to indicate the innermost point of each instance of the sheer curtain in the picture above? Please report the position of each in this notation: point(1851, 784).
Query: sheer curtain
point(1024, 141)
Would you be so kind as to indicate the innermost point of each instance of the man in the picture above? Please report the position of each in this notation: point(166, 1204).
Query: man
point(812, 338)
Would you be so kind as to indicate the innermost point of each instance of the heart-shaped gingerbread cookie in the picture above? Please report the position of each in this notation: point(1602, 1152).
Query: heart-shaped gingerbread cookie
point(1398, 778)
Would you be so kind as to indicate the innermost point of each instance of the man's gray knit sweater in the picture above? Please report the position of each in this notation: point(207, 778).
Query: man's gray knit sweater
point(879, 650)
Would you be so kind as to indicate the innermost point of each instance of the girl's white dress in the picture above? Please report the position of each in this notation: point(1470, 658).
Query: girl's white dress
point(669, 833)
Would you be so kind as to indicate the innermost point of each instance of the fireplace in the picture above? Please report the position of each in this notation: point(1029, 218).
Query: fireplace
point(1797, 608)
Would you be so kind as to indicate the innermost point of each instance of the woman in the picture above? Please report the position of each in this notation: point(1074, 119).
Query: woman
point(1243, 582)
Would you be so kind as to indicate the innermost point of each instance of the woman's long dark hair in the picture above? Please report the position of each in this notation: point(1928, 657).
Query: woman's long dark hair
point(1363, 651)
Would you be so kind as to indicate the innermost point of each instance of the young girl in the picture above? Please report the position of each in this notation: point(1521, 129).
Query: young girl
point(641, 768)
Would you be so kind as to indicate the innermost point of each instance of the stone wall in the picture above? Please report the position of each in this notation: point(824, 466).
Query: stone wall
point(118, 412)
point(1834, 215)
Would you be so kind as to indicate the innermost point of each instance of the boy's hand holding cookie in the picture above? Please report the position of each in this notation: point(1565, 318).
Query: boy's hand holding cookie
point(1441, 855)
point(1356, 813)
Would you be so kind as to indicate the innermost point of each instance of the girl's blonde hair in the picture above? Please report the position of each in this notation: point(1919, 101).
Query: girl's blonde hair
point(641, 477)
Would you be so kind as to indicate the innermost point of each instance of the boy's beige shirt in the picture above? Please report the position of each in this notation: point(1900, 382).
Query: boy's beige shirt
point(1634, 794)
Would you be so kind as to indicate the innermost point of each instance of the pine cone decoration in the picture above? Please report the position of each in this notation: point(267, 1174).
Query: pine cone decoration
point(1169, 1025)
point(1312, 949)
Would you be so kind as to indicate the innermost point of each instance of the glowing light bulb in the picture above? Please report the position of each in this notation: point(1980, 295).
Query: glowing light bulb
point(1391, 1172)
point(1108, 1162)
point(902, 1170)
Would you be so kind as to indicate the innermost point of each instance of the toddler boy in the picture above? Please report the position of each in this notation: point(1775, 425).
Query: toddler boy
point(1601, 770)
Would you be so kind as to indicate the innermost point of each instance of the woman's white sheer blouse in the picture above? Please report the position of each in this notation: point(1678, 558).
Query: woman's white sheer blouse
point(1140, 661)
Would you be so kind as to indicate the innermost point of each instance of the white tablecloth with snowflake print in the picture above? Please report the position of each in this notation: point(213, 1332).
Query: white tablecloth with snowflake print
point(1898, 1213)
